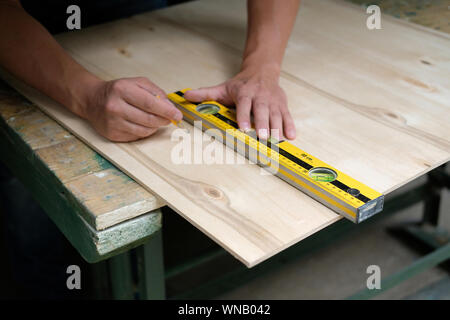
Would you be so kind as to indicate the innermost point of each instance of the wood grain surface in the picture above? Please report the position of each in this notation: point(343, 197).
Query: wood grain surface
point(374, 104)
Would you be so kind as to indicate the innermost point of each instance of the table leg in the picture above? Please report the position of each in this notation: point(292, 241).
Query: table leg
point(121, 277)
point(151, 278)
point(426, 262)
point(436, 184)
point(101, 281)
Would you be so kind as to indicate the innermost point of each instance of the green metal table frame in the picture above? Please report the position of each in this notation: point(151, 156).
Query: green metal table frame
point(426, 231)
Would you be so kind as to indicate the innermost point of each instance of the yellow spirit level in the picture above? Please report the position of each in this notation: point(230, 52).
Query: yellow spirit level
point(334, 189)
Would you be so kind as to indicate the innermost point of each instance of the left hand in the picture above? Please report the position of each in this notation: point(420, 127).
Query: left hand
point(254, 92)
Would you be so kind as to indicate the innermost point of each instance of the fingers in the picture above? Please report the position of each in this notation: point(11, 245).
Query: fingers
point(149, 86)
point(268, 113)
point(288, 124)
point(216, 93)
point(276, 123)
point(120, 136)
point(143, 118)
point(270, 110)
point(116, 127)
point(146, 99)
point(124, 131)
point(243, 109)
point(261, 116)
point(137, 130)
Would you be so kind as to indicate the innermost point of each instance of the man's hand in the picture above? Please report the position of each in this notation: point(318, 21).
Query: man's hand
point(255, 89)
point(120, 110)
point(253, 92)
point(128, 109)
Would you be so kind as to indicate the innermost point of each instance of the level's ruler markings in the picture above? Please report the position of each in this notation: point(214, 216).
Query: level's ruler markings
point(326, 184)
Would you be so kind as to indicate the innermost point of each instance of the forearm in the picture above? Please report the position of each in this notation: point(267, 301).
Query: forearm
point(269, 25)
point(31, 54)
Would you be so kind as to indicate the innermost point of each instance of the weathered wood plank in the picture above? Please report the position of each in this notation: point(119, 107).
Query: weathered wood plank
point(119, 199)
point(72, 159)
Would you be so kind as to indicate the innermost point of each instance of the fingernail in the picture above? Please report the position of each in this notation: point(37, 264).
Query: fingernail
point(262, 133)
point(291, 134)
point(275, 133)
point(178, 116)
point(245, 126)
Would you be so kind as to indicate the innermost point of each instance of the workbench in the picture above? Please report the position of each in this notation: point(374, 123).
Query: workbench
point(79, 189)
point(82, 192)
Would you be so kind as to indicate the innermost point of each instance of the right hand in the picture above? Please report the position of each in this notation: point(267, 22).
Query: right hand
point(129, 109)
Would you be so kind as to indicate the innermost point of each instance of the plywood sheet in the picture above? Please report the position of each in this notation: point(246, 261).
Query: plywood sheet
point(349, 113)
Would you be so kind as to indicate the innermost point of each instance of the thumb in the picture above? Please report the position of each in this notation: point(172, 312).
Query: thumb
point(211, 93)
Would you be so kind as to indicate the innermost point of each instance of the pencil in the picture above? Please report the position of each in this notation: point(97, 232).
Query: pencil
point(178, 124)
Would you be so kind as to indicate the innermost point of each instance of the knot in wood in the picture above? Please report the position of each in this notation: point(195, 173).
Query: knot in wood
point(213, 192)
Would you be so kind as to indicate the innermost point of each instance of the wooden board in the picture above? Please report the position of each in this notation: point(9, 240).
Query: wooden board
point(375, 113)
